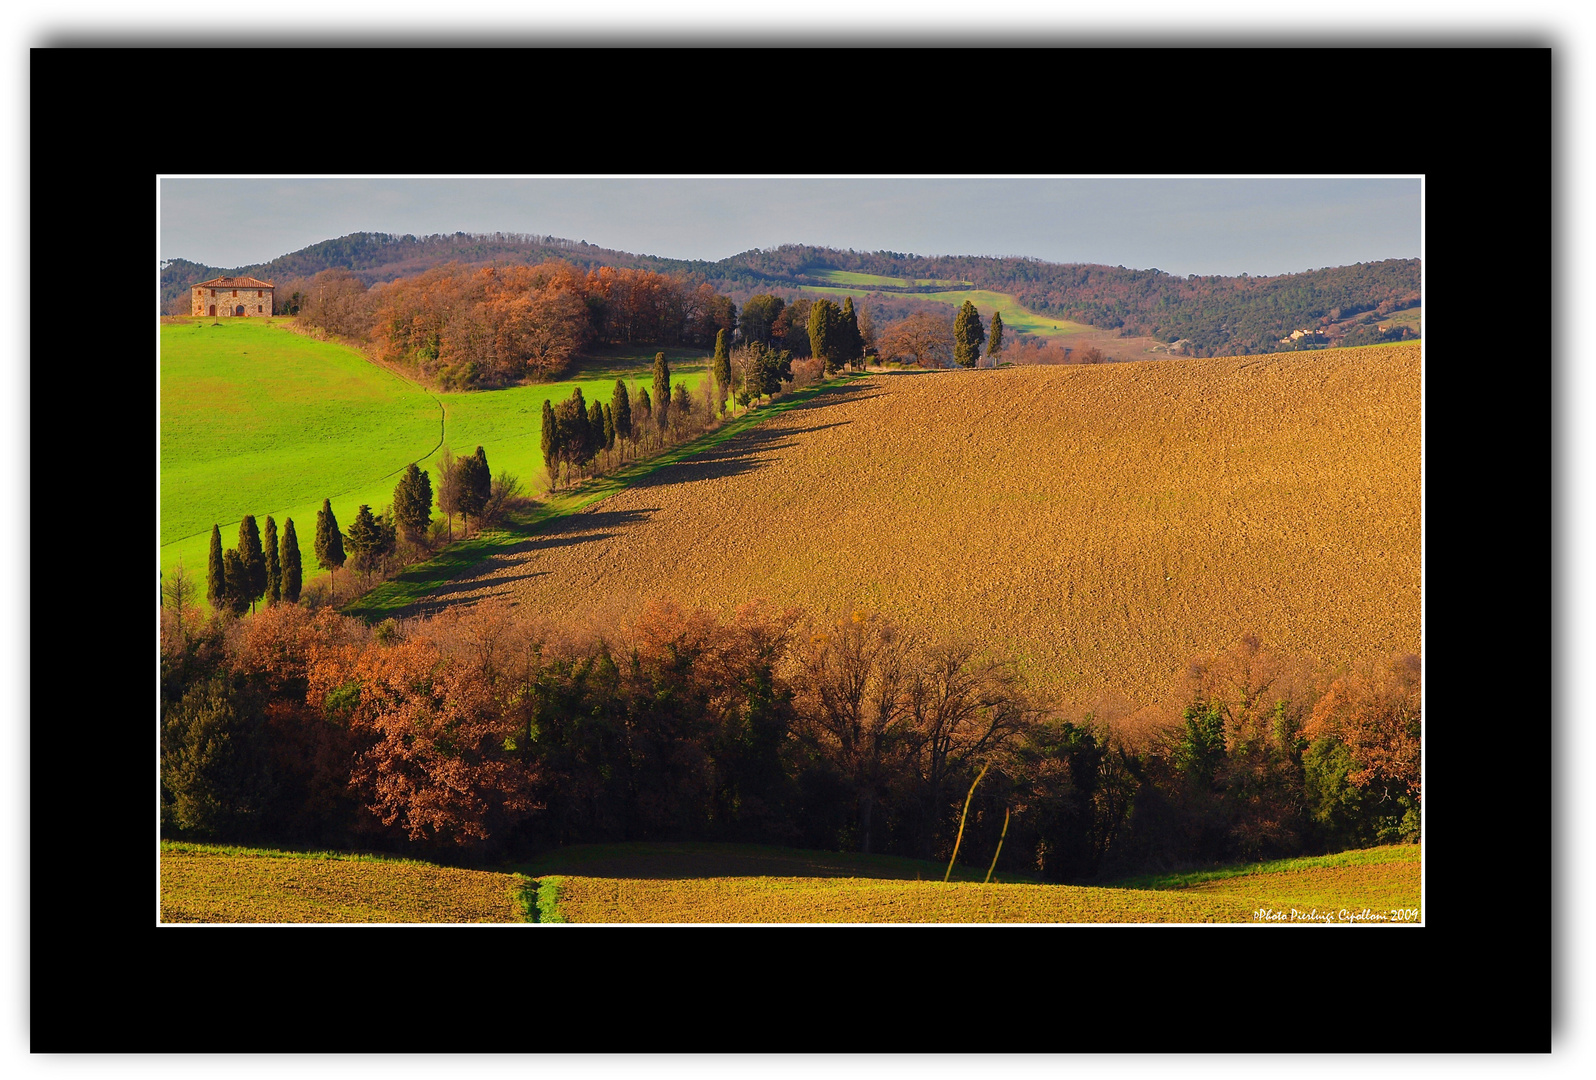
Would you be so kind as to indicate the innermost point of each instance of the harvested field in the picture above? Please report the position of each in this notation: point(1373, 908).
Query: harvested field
point(226, 886)
point(1099, 524)
point(659, 888)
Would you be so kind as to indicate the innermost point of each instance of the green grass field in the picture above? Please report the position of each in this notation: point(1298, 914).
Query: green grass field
point(1016, 319)
point(256, 419)
point(851, 277)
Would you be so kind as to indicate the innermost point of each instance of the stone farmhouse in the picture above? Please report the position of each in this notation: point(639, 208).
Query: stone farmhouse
point(240, 296)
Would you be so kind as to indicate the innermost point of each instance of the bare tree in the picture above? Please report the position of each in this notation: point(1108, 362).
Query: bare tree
point(922, 338)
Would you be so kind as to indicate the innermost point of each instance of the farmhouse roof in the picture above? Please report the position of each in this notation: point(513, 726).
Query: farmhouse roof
point(235, 283)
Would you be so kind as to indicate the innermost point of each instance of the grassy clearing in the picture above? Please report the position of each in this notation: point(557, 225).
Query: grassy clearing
point(258, 420)
point(1378, 856)
point(851, 277)
point(215, 884)
point(412, 588)
point(726, 883)
point(1101, 525)
point(1016, 319)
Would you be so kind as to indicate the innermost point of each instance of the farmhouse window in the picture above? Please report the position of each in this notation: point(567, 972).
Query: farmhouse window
point(213, 292)
point(260, 307)
point(235, 292)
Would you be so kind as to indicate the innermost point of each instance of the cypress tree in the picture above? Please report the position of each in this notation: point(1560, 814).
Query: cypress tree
point(967, 336)
point(578, 440)
point(292, 572)
point(481, 480)
point(551, 441)
point(249, 549)
point(236, 594)
point(412, 503)
point(365, 538)
point(623, 410)
point(852, 345)
point(996, 344)
point(216, 573)
point(824, 337)
point(645, 407)
point(329, 543)
point(722, 370)
point(595, 424)
point(274, 570)
point(609, 428)
point(662, 391)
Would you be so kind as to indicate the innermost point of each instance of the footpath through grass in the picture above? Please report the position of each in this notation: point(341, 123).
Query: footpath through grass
point(412, 585)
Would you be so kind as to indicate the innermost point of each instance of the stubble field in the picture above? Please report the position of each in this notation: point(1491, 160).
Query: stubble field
point(1100, 525)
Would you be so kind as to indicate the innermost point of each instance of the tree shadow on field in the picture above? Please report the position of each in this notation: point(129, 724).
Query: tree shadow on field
point(683, 861)
point(475, 581)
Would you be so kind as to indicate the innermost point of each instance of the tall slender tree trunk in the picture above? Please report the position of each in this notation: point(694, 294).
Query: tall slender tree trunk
point(867, 800)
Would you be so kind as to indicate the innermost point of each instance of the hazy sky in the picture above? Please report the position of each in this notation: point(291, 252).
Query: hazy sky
point(1202, 226)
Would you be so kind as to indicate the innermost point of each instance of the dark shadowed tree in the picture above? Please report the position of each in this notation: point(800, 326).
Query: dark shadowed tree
point(293, 572)
point(216, 573)
point(609, 428)
point(365, 542)
point(249, 549)
point(825, 337)
point(849, 340)
point(329, 543)
point(551, 442)
point(759, 316)
point(722, 370)
point(476, 484)
point(274, 570)
point(236, 573)
point(645, 409)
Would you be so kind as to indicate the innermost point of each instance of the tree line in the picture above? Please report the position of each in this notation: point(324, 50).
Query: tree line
point(486, 732)
point(269, 569)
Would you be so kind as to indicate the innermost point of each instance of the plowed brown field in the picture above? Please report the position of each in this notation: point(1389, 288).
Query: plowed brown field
point(1102, 525)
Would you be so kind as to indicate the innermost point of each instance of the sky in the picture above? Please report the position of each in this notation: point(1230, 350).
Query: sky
point(1200, 225)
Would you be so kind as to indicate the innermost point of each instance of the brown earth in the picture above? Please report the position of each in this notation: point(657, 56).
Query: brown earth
point(1100, 524)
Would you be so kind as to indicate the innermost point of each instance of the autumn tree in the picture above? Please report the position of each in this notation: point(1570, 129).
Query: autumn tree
point(449, 486)
point(293, 573)
point(721, 370)
point(274, 570)
point(968, 336)
point(412, 503)
point(329, 543)
point(758, 317)
point(662, 392)
point(216, 573)
point(178, 595)
point(995, 346)
point(922, 338)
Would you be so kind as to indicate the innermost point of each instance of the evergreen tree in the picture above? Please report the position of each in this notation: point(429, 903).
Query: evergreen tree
point(249, 549)
point(216, 573)
point(623, 410)
point(825, 323)
point(662, 392)
point(851, 343)
point(609, 428)
point(595, 424)
point(574, 433)
point(996, 344)
point(551, 441)
point(329, 543)
point(721, 368)
point(412, 503)
point(365, 541)
point(681, 403)
point(448, 486)
point(645, 409)
point(274, 570)
point(236, 592)
point(968, 336)
point(475, 485)
point(293, 574)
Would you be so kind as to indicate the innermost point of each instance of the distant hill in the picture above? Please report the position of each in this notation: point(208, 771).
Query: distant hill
point(1215, 315)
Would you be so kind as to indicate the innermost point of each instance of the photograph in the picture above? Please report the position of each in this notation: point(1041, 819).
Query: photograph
point(790, 549)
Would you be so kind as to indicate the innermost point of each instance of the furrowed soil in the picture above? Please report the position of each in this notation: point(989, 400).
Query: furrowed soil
point(1100, 525)
point(224, 886)
point(663, 883)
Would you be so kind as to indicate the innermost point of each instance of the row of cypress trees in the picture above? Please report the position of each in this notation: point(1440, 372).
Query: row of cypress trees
point(254, 570)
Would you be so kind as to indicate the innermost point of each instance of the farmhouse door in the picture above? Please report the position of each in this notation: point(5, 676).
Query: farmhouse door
point(213, 309)
point(239, 310)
